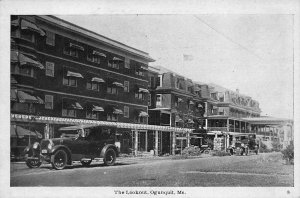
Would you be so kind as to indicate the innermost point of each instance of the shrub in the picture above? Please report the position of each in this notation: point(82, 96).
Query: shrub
point(276, 145)
point(221, 153)
point(288, 153)
point(191, 151)
point(263, 148)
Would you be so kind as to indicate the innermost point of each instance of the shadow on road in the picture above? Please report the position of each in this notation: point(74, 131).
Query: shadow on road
point(79, 166)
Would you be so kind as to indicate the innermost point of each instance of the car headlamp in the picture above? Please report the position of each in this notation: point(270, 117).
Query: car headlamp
point(35, 145)
point(50, 145)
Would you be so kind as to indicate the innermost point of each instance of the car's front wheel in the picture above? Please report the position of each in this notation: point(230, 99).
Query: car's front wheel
point(33, 163)
point(59, 159)
point(109, 157)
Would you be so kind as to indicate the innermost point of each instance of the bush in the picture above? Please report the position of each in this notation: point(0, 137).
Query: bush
point(191, 151)
point(221, 153)
point(263, 148)
point(276, 145)
point(288, 153)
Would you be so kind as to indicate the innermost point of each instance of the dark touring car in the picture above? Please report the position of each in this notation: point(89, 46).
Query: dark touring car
point(82, 143)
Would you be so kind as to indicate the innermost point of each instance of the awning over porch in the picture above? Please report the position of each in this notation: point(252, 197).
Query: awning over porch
point(71, 121)
point(18, 131)
point(99, 53)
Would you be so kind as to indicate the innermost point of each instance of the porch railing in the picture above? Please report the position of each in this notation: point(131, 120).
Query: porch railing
point(217, 129)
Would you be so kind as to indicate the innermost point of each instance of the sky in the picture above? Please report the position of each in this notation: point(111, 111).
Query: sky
point(252, 53)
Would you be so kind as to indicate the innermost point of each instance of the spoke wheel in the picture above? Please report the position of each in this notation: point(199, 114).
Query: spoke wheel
point(59, 160)
point(33, 163)
point(110, 157)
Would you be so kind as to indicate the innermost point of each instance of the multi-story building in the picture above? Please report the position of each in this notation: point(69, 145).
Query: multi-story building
point(226, 110)
point(61, 70)
point(175, 101)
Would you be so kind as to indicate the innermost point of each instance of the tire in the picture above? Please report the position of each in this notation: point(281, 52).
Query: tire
point(109, 157)
point(86, 163)
point(33, 163)
point(59, 159)
point(206, 151)
point(256, 152)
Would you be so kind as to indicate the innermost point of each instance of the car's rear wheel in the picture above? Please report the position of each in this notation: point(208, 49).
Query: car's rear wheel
point(86, 162)
point(59, 159)
point(109, 157)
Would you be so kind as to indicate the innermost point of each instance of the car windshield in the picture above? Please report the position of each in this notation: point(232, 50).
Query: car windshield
point(69, 133)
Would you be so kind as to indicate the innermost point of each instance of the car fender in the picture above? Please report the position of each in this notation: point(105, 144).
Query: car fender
point(107, 147)
point(57, 147)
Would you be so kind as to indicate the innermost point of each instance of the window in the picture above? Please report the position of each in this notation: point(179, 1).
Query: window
point(112, 90)
point(126, 86)
point(191, 89)
point(149, 99)
point(92, 86)
point(214, 96)
point(92, 115)
point(23, 107)
point(141, 120)
point(127, 63)
point(176, 101)
point(50, 39)
point(48, 102)
point(126, 111)
point(159, 81)
point(112, 117)
point(50, 69)
point(69, 113)
point(23, 70)
point(140, 95)
point(70, 81)
point(158, 100)
point(93, 58)
point(113, 64)
point(70, 51)
point(27, 35)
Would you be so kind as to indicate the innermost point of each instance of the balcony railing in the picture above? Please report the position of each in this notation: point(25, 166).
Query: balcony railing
point(217, 129)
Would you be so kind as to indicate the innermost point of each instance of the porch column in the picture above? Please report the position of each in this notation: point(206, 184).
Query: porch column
point(173, 143)
point(233, 125)
point(188, 139)
point(46, 131)
point(136, 142)
point(206, 123)
point(156, 142)
point(240, 126)
point(227, 125)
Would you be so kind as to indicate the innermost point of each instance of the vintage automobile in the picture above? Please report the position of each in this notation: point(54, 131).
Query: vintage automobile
point(247, 143)
point(82, 143)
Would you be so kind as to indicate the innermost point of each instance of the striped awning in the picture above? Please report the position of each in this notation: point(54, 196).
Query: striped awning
point(24, 60)
point(180, 100)
point(15, 22)
point(117, 111)
point(143, 90)
point(13, 95)
point(143, 114)
point(144, 68)
point(76, 46)
point(99, 80)
point(74, 74)
point(118, 84)
point(31, 26)
point(24, 97)
point(199, 105)
point(116, 59)
point(191, 103)
point(97, 108)
point(98, 53)
point(13, 80)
